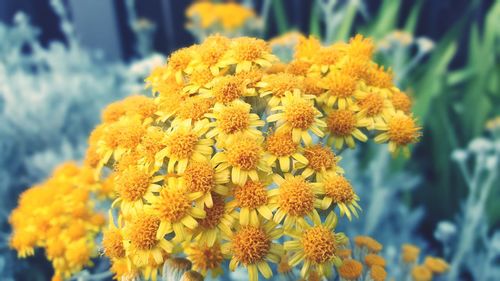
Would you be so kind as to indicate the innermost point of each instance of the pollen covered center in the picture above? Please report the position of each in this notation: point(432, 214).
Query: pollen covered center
point(341, 122)
point(250, 245)
point(244, 153)
point(320, 157)
point(403, 130)
point(173, 204)
point(199, 176)
point(372, 104)
point(182, 144)
point(142, 232)
point(132, 184)
point(339, 188)
point(112, 242)
point(227, 89)
point(296, 197)
point(319, 244)
point(252, 194)
point(233, 119)
point(249, 49)
point(281, 144)
point(300, 114)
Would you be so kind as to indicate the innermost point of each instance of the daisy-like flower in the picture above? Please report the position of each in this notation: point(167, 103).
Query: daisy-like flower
point(199, 78)
point(325, 58)
point(278, 86)
point(360, 47)
point(299, 116)
point(141, 241)
point(253, 200)
point(170, 95)
point(401, 101)
point(339, 191)
point(174, 208)
point(132, 185)
point(244, 156)
point(350, 270)
point(281, 148)
point(151, 143)
point(193, 108)
point(232, 119)
point(320, 161)
point(343, 126)
point(180, 63)
point(400, 131)
point(211, 52)
point(295, 199)
point(246, 52)
point(374, 107)
point(226, 89)
point(316, 246)
point(206, 258)
point(218, 220)
point(252, 247)
point(185, 143)
point(206, 177)
point(307, 48)
point(378, 77)
point(339, 89)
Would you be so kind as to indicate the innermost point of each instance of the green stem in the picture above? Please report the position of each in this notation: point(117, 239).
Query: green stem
point(279, 13)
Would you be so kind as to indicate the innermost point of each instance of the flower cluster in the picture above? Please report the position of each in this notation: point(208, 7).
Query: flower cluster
point(230, 19)
point(232, 156)
point(58, 216)
point(427, 270)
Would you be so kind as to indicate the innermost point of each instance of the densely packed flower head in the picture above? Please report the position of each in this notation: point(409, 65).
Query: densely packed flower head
point(230, 18)
point(58, 216)
point(236, 156)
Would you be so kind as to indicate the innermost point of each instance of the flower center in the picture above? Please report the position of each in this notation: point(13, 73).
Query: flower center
point(204, 257)
point(281, 144)
point(281, 83)
point(252, 194)
point(194, 108)
point(401, 101)
point(142, 232)
point(182, 144)
point(319, 244)
point(244, 153)
point(214, 214)
point(339, 84)
point(351, 269)
point(296, 197)
point(372, 104)
point(320, 157)
point(173, 204)
point(249, 49)
point(341, 122)
point(180, 59)
point(227, 89)
point(250, 245)
point(132, 184)
point(233, 119)
point(199, 176)
point(112, 242)
point(403, 130)
point(339, 188)
point(300, 114)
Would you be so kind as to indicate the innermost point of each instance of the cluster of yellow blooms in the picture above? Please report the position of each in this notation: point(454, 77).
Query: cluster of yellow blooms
point(58, 215)
point(232, 154)
point(226, 18)
point(426, 271)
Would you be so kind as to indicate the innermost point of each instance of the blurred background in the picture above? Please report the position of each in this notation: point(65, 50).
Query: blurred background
point(61, 62)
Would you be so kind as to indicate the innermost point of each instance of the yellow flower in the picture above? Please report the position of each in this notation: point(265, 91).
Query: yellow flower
point(436, 265)
point(340, 89)
point(226, 89)
point(206, 177)
point(141, 240)
point(185, 143)
point(246, 53)
point(421, 273)
point(343, 126)
point(338, 191)
point(252, 247)
point(253, 201)
point(278, 86)
point(281, 148)
point(206, 258)
point(400, 131)
point(217, 221)
point(295, 199)
point(350, 270)
point(299, 116)
point(316, 246)
point(174, 209)
point(132, 185)
point(244, 156)
point(374, 108)
point(307, 48)
point(320, 161)
point(234, 118)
